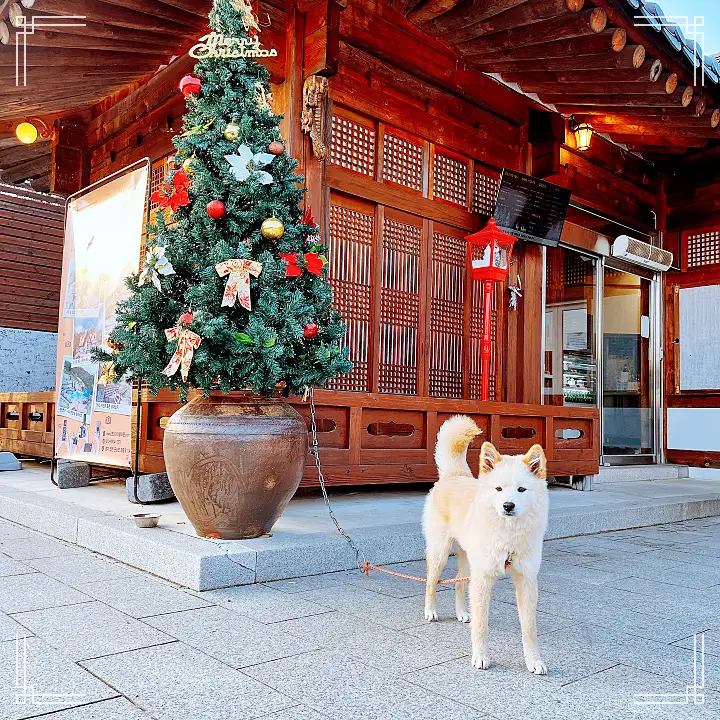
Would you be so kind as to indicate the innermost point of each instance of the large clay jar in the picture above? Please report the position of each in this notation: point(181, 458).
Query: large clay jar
point(234, 461)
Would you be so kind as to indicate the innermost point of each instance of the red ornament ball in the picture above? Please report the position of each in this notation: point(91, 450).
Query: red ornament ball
point(186, 318)
point(311, 330)
point(276, 147)
point(215, 209)
point(190, 85)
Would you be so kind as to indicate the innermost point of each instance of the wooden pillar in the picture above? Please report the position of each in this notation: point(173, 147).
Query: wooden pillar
point(69, 171)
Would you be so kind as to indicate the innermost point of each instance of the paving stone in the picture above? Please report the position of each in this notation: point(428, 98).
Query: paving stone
point(674, 533)
point(141, 596)
point(641, 653)
point(296, 713)
point(176, 682)
point(265, 604)
point(599, 543)
point(77, 569)
point(503, 625)
point(10, 531)
point(506, 691)
point(90, 630)
point(554, 574)
point(400, 587)
point(231, 638)
point(34, 591)
point(666, 591)
point(616, 692)
point(665, 571)
point(312, 582)
point(117, 709)
point(371, 644)
point(36, 547)
point(8, 567)
point(712, 642)
point(395, 613)
point(10, 629)
point(46, 681)
point(341, 687)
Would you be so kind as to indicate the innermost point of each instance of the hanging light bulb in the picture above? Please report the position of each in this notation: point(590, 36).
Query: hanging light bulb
point(27, 3)
point(583, 133)
point(26, 133)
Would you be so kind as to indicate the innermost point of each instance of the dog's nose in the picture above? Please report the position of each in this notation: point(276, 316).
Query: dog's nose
point(508, 506)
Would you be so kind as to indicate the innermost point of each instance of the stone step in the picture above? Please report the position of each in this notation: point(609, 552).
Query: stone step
point(633, 473)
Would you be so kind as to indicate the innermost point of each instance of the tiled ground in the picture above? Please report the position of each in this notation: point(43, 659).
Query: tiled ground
point(85, 638)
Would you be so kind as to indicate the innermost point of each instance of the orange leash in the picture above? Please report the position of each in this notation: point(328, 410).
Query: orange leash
point(366, 566)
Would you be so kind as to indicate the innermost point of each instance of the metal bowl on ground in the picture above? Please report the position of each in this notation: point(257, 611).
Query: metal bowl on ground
point(146, 520)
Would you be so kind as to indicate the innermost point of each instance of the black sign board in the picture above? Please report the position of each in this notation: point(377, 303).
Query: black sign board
point(530, 208)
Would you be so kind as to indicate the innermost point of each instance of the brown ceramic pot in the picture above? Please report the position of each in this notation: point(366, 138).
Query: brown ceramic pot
point(234, 461)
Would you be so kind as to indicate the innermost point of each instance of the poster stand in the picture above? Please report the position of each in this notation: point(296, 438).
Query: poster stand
point(128, 465)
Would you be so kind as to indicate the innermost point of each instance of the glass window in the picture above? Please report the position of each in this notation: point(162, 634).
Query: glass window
point(570, 371)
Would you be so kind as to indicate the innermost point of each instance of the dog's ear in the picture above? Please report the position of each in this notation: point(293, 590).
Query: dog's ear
point(534, 458)
point(489, 457)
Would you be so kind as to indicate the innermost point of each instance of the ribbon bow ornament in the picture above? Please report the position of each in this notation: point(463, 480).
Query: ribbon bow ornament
point(156, 264)
point(238, 284)
point(245, 163)
point(188, 342)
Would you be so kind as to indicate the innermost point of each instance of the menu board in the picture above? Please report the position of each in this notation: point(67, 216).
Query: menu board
point(103, 233)
point(531, 209)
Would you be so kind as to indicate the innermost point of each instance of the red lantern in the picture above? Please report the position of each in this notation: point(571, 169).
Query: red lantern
point(311, 330)
point(489, 253)
point(215, 209)
point(190, 85)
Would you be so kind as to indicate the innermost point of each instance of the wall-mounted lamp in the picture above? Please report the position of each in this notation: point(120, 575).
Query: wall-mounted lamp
point(583, 133)
point(27, 132)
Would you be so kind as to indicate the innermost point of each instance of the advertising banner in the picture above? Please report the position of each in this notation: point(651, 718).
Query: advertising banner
point(103, 234)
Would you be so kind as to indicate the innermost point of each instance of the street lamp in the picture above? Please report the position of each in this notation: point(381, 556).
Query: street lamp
point(489, 253)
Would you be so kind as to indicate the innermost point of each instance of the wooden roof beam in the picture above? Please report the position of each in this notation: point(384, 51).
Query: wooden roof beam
point(642, 128)
point(124, 17)
point(640, 75)
point(607, 42)
point(466, 12)
point(570, 25)
point(709, 120)
point(658, 140)
point(590, 86)
point(603, 99)
point(528, 13)
point(429, 10)
point(47, 57)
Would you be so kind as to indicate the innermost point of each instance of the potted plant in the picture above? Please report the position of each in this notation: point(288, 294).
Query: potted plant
point(233, 297)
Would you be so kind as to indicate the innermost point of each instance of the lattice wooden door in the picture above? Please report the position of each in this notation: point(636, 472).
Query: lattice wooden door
point(351, 240)
point(400, 303)
point(447, 312)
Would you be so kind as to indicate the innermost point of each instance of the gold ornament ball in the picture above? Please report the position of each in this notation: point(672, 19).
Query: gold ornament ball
point(272, 229)
point(187, 166)
point(231, 132)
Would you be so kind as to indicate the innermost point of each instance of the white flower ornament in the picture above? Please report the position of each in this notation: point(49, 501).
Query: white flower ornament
point(245, 163)
point(155, 264)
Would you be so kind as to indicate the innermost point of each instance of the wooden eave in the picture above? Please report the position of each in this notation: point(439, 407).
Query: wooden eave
point(586, 58)
point(70, 70)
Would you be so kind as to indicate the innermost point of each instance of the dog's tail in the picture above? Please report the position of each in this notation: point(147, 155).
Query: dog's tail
point(452, 443)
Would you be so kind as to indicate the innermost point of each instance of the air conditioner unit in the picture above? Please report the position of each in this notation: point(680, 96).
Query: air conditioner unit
point(641, 253)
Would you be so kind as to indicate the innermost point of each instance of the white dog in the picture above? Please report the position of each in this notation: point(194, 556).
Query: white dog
point(497, 522)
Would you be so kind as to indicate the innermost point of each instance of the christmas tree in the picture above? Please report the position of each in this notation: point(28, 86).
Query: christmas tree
point(233, 293)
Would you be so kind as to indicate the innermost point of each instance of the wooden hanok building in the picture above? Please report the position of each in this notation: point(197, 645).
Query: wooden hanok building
point(403, 114)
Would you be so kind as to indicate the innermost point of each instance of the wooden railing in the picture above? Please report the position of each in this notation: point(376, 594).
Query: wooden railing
point(364, 438)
